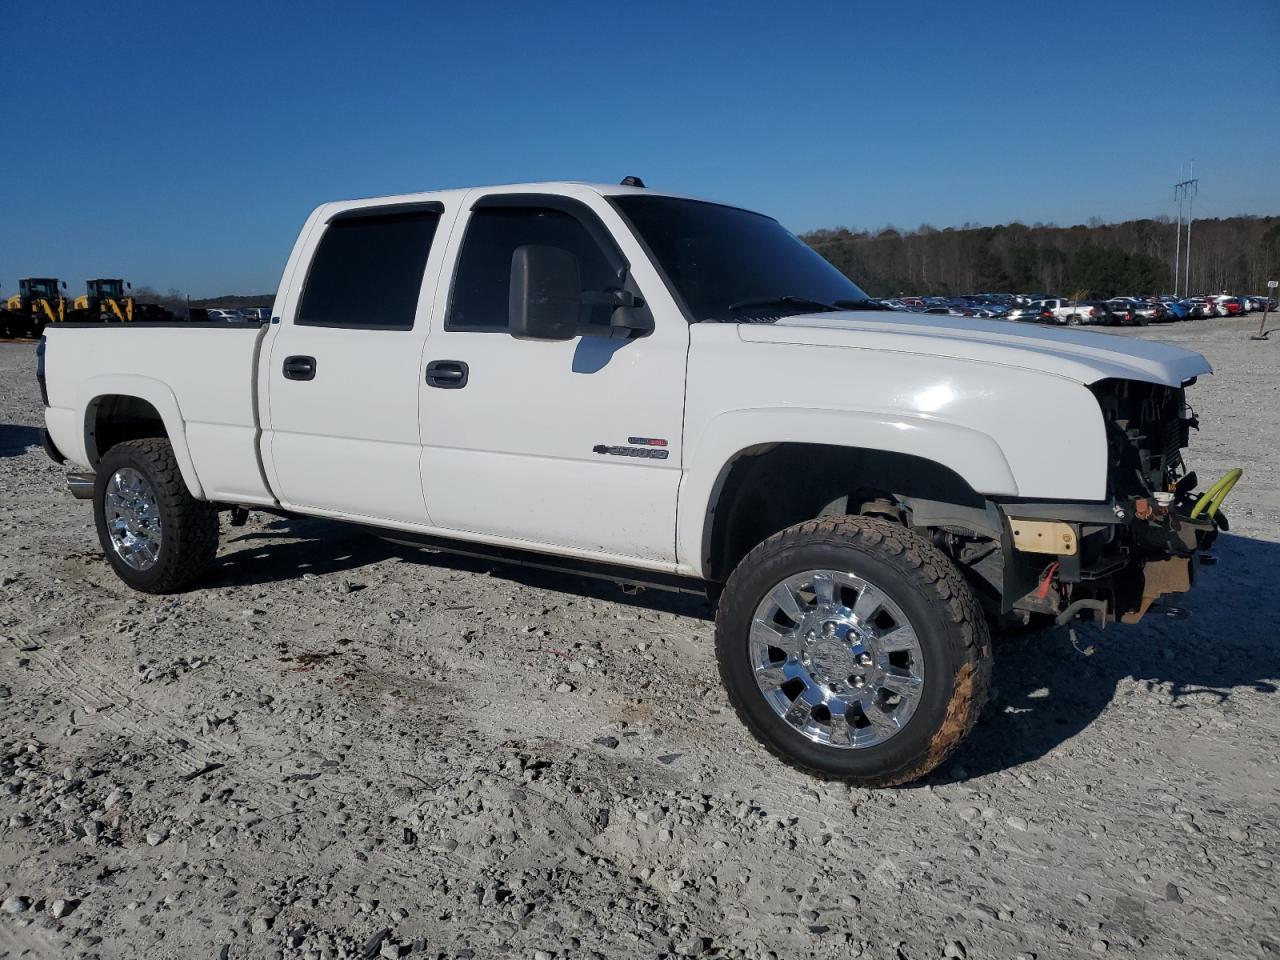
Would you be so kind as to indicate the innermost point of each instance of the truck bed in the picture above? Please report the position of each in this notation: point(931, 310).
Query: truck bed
point(200, 378)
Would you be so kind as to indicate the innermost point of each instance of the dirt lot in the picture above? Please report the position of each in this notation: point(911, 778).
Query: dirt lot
point(341, 748)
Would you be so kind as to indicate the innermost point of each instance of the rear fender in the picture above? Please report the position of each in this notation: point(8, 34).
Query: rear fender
point(154, 392)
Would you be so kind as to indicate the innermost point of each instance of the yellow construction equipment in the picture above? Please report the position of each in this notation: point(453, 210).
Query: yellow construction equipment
point(104, 299)
point(38, 302)
point(107, 300)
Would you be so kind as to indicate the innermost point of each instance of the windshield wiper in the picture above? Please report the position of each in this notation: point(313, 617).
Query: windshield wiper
point(862, 305)
point(781, 301)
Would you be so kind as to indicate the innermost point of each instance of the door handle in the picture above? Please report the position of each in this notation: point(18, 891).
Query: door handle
point(300, 368)
point(447, 374)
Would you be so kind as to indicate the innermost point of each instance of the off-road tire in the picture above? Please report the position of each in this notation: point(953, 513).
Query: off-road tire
point(941, 607)
point(188, 527)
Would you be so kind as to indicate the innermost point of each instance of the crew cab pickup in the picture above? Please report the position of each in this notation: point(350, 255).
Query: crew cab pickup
point(673, 393)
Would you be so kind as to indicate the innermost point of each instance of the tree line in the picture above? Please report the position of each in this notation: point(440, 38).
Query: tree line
point(177, 302)
point(1233, 254)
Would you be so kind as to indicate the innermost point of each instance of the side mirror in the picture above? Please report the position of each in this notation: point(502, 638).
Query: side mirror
point(546, 292)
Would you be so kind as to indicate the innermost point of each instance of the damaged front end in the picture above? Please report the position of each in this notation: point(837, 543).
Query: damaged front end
point(1115, 559)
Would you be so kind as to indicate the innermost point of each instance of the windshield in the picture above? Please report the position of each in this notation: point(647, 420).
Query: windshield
point(728, 263)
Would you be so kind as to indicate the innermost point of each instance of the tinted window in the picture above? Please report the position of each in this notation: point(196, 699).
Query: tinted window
point(482, 282)
point(367, 271)
point(718, 256)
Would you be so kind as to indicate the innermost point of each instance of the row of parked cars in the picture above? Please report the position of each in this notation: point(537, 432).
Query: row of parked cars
point(238, 315)
point(1117, 311)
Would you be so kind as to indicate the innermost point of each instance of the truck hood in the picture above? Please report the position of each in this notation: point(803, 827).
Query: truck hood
point(1071, 353)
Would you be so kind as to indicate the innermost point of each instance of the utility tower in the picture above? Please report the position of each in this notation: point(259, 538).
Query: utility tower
point(1184, 191)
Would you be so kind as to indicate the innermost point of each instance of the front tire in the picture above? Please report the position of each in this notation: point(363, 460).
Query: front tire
point(156, 536)
point(853, 648)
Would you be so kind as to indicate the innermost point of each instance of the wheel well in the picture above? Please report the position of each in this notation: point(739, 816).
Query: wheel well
point(113, 419)
point(769, 488)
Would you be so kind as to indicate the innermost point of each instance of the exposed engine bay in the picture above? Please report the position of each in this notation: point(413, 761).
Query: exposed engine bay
point(1113, 559)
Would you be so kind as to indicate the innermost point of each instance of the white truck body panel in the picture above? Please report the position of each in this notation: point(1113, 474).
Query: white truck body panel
point(201, 381)
point(513, 459)
point(347, 443)
point(1077, 355)
point(513, 455)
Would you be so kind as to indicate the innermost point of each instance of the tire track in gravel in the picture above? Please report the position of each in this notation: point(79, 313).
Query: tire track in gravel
point(120, 708)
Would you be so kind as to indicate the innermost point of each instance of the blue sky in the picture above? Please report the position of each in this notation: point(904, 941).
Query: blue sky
point(182, 145)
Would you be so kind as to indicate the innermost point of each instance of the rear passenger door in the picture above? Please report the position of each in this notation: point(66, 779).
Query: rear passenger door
point(343, 367)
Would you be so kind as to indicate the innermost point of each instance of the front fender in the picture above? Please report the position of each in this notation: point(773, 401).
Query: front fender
point(974, 456)
point(155, 392)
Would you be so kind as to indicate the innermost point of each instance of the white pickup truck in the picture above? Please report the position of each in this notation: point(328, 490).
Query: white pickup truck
point(672, 393)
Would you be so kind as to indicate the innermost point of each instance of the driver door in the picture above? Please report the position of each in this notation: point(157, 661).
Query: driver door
point(572, 446)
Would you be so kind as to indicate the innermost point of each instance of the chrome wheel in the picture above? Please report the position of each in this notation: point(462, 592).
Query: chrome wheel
point(133, 518)
point(836, 658)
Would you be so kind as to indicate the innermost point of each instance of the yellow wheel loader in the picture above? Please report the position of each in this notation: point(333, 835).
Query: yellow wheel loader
point(38, 303)
point(105, 300)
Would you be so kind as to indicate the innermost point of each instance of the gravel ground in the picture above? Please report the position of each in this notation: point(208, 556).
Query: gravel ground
point(337, 747)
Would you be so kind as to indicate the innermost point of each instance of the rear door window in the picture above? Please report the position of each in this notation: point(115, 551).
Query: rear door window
point(367, 270)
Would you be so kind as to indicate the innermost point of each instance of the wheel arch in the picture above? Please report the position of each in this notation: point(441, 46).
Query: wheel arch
point(753, 490)
point(117, 409)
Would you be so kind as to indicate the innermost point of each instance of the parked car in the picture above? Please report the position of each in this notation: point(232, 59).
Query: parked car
point(1142, 311)
point(1065, 311)
point(1220, 304)
point(1097, 313)
point(1034, 311)
point(256, 314)
point(1189, 306)
point(1121, 313)
point(579, 412)
point(1154, 310)
point(226, 316)
point(1201, 308)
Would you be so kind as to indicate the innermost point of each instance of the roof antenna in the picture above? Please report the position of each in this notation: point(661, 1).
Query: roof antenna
point(632, 182)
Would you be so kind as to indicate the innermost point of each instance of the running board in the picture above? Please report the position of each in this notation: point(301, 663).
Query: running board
point(600, 570)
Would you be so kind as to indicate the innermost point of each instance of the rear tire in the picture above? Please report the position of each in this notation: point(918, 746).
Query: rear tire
point(156, 536)
point(874, 743)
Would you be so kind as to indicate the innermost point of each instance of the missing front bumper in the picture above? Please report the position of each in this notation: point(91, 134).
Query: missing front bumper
point(1122, 559)
point(1160, 577)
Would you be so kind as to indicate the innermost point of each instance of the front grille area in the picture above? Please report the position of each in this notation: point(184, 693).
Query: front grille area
point(1147, 428)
